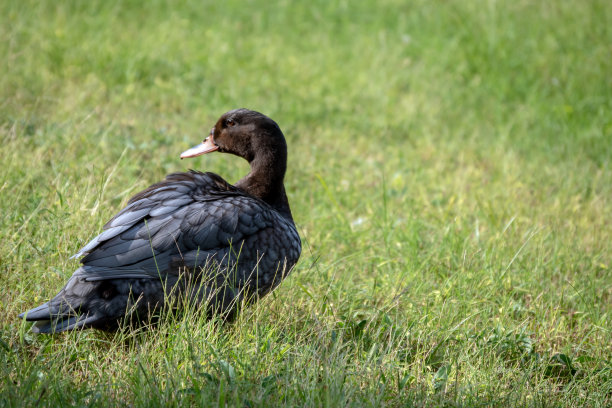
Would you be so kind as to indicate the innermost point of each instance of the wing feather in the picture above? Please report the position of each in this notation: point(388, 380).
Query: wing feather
point(187, 219)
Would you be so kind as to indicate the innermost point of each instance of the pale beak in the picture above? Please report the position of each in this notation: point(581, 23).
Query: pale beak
point(207, 146)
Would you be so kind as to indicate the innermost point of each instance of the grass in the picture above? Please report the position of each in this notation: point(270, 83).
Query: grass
point(449, 172)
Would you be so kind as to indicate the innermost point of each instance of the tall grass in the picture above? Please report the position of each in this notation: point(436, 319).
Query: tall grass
point(449, 173)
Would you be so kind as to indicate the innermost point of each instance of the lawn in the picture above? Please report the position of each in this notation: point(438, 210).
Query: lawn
point(449, 172)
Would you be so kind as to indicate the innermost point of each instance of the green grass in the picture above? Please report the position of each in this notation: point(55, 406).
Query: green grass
point(449, 172)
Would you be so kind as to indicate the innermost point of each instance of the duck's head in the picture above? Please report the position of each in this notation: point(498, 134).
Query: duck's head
point(245, 133)
point(258, 139)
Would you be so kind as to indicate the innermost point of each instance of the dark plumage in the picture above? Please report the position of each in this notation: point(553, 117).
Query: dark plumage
point(192, 236)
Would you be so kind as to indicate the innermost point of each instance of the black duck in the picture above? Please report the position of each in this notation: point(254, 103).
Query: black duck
point(191, 236)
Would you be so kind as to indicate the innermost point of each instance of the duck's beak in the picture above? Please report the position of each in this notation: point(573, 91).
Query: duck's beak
point(207, 146)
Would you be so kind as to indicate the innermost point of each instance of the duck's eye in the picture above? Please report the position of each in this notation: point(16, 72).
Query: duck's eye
point(230, 122)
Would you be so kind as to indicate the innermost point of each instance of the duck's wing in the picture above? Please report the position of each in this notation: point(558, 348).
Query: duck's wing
point(185, 220)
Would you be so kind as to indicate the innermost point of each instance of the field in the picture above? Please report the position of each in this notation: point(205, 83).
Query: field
point(449, 171)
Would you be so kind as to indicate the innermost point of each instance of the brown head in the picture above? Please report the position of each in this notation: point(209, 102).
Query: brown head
point(258, 139)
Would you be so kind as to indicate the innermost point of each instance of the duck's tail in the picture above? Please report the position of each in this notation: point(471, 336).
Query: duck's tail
point(50, 318)
point(76, 306)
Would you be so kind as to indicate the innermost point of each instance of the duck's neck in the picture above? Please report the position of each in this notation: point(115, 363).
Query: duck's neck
point(265, 181)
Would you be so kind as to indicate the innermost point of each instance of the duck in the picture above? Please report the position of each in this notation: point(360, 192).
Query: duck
point(191, 239)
